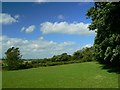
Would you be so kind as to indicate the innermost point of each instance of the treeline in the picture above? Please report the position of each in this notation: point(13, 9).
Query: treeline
point(13, 60)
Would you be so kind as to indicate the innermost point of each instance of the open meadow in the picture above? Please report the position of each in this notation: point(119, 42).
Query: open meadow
point(78, 75)
point(60, 44)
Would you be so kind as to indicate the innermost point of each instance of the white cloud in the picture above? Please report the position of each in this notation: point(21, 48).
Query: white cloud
point(29, 29)
point(66, 28)
point(41, 38)
point(23, 29)
point(60, 17)
point(39, 48)
point(87, 46)
point(16, 16)
point(8, 19)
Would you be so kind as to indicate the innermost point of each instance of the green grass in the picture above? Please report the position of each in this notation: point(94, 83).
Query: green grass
point(0, 80)
point(79, 75)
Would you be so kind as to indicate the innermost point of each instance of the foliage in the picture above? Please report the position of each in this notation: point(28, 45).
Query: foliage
point(106, 21)
point(88, 54)
point(13, 58)
point(62, 57)
point(77, 55)
point(84, 55)
point(26, 65)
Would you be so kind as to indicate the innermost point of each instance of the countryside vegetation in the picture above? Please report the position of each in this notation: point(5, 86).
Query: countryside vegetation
point(102, 59)
point(13, 59)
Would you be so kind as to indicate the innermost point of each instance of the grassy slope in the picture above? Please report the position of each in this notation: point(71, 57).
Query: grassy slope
point(0, 80)
point(82, 75)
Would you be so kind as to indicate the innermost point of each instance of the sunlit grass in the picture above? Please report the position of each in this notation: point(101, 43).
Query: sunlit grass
point(0, 79)
point(80, 75)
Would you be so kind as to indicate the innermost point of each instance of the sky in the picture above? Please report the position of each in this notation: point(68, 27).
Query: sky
point(44, 29)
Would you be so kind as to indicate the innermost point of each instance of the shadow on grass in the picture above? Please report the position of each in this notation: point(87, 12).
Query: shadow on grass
point(110, 68)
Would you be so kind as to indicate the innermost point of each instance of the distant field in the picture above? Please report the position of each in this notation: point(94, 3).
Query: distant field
point(80, 75)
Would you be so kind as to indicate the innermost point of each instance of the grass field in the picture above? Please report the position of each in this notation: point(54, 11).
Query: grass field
point(0, 79)
point(79, 75)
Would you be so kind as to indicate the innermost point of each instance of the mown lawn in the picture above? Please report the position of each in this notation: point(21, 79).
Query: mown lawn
point(79, 75)
point(0, 79)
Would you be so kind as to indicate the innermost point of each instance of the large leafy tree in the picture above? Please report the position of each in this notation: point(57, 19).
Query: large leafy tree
point(13, 58)
point(106, 21)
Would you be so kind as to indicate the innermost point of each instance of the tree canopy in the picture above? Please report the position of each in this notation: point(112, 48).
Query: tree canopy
point(106, 21)
point(13, 58)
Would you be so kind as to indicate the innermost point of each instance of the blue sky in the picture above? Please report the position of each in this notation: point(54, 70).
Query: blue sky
point(45, 29)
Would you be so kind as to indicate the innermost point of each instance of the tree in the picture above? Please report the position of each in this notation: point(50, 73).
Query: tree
point(88, 54)
point(62, 57)
point(65, 57)
point(13, 58)
point(106, 21)
point(77, 55)
point(84, 55)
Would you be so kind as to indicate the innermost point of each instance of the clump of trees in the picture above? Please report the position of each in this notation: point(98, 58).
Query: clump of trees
point(106, 21)
point(13, 60)
point(62, 57)
point(84, 55)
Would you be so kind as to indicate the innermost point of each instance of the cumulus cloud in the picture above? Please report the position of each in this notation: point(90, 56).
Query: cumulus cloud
point(29, 29)
point(87, 46)
point(60, 17)
point(65, 28)
point(39, 48)
point(8, 19)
